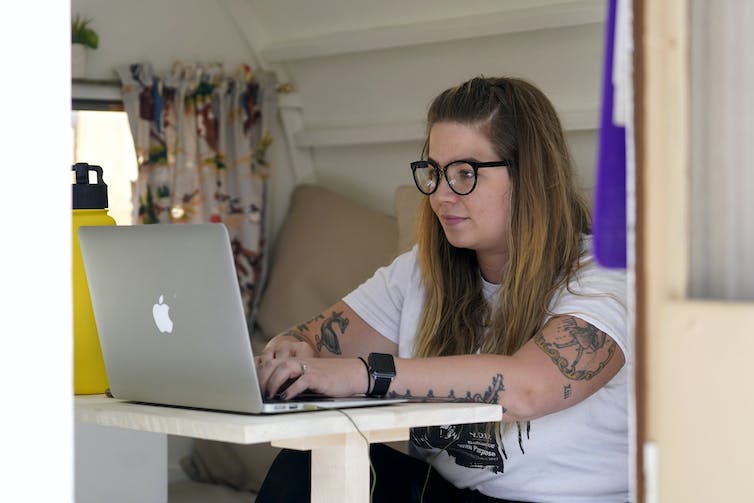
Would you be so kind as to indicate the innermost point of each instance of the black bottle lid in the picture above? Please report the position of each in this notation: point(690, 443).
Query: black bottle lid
point(88, 196)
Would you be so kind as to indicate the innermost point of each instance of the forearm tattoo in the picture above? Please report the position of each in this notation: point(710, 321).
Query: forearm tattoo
point(304, 327)
point(490, 395)
point(296, 335)
point(331, 328)
point(578, 349)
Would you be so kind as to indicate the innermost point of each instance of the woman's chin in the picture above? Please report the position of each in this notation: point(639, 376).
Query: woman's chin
point(457, 241)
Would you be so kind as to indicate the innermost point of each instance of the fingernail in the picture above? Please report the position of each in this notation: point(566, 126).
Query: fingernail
point(283, 395)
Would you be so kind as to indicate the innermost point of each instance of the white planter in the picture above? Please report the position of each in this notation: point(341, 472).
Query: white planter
point(78, 61)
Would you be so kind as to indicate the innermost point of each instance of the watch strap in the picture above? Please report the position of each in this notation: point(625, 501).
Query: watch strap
point(382, 372)
point(381, 385)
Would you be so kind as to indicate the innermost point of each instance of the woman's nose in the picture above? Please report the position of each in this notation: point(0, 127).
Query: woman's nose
point(443, 189)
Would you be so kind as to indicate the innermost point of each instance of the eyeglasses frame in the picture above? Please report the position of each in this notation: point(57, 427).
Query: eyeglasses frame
point(475, 165)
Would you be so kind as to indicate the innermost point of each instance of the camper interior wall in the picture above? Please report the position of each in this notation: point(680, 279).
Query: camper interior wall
point(350, 97)
point(364, 73)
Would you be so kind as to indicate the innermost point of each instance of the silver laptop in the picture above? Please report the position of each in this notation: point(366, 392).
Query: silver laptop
point(171, 321)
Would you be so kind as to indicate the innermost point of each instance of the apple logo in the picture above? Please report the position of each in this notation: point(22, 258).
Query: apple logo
point(162, 317)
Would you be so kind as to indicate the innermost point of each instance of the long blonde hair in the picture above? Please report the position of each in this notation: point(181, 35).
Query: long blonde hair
point(547, 223)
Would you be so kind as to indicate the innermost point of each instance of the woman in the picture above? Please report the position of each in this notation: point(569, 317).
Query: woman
point(501, 302)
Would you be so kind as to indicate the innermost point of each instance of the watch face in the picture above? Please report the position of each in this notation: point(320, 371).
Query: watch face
point(382, 363)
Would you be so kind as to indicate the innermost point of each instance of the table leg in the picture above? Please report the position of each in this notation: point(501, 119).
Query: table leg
point(340, 463)
point(340, 472)
point(340, 466)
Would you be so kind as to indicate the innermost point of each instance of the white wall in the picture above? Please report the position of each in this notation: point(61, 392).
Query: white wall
point(395, 86)
point(382, 85)
point(161, 32)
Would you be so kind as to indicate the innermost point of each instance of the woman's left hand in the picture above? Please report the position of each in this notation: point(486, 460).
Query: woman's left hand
point(337, 377)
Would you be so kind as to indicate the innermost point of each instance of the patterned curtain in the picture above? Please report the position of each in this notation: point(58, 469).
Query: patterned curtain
point(201, 143)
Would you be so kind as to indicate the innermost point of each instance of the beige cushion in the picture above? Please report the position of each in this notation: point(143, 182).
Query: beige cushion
point(406, 205)
point(328, 245)
point(237, 466)
point(187, 491)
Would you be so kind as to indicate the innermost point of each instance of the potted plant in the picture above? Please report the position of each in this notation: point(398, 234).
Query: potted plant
point(83, 37)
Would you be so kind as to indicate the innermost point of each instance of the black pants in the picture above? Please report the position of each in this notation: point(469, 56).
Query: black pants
point(400, 478)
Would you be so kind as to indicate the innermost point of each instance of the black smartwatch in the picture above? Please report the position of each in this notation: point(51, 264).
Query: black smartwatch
point(382, 370)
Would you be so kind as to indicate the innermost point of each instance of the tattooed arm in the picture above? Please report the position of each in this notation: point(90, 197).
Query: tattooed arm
point(579, 357)
point(336, 332)
point(567, 361)
point(324, 348)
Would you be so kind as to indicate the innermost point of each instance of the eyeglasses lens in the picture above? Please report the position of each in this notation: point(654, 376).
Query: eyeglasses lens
point(460, 177)
point(426, 178)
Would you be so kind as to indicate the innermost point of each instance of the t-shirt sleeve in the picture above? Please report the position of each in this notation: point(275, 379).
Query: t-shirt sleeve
point(379, 300)
point(598, 296)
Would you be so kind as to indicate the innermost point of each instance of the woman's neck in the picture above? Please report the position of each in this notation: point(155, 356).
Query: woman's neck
point(492, 265)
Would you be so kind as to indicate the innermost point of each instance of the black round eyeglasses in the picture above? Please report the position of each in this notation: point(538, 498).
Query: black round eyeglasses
point(460, 175)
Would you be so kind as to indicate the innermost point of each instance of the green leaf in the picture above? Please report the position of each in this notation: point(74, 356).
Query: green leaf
point(91, 39)
point(81, 33)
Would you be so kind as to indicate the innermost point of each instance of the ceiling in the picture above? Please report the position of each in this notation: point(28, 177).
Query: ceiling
point(277, 22)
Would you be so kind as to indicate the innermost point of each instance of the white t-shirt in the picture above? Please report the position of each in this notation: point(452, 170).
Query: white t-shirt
point(576, 455)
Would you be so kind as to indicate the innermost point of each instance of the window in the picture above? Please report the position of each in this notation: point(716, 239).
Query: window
point(104, 138)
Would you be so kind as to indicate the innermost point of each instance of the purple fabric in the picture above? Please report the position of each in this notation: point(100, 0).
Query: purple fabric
point(609, 220)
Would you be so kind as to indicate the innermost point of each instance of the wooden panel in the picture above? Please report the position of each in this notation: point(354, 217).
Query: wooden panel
point(699, 405)
point(704, 409)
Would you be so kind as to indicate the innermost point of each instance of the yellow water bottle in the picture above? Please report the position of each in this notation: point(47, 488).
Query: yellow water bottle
point(89, 208)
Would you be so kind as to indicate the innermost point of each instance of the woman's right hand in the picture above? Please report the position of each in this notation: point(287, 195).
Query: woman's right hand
point(315, 348)
point(289, 344)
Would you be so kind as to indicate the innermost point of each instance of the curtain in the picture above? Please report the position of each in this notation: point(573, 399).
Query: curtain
point(609, 219)
point(201, 140)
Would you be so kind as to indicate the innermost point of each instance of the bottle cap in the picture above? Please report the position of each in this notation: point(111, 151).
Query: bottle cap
point(88, 196)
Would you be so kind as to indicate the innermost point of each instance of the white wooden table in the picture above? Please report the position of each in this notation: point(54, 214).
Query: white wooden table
point(340, 456)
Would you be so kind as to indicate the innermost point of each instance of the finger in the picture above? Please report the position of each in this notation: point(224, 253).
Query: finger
point(284, 351)
point(262, 360)
point(294, 387)
point(276, 346)
point(297, 386)
point(284, 371)
point(265, 367)
point(268, 352)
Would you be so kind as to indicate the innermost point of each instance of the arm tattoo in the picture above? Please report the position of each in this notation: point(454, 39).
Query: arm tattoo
point(579, 349)
point(490, 395)
point(566, 392)
point(296, 335)
point(328, 337)
point(305, 326)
